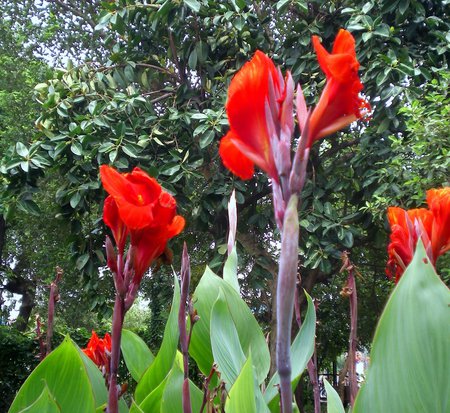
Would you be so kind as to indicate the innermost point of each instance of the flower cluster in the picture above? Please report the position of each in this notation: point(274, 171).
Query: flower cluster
point(137, 207)
point(260, 109)
point(431, 225)
point(99, 350)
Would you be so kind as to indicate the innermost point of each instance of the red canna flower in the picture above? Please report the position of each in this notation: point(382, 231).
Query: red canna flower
point(439, 203)
point(139, 206)
point(340, 103)
point(406, 228)
point(99, 350)
point(431, 225)
point(258, 99)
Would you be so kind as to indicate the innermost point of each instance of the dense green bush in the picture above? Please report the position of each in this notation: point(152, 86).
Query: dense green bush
point(19, 356)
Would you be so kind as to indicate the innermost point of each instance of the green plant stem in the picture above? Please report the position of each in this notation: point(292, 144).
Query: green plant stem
point(285, 300)
point(184, 340)
point(353, 337)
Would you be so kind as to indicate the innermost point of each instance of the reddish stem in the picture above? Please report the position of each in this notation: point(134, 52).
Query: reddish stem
point(116, 334)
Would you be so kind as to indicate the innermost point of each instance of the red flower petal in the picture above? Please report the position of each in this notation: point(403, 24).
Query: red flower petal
point(439, 203)
point(234, 159)
point(112, 219)
point(248, 96)
point(340, 103)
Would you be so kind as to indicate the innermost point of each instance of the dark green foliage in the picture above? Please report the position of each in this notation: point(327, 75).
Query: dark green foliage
point(18, 357)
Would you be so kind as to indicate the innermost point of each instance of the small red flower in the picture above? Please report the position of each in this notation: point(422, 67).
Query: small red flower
point(138, 206)
point(340, 103)
point(99, 350)
point(431, 225)
point(255, 107)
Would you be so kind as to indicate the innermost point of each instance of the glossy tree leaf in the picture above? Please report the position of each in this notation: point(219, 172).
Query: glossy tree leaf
point(172, 397)
point(241, 397)
point(193, 4)
point(61, 370)
point(250, 334)
point(410, 359)
point(334, 403)
point(136, 354)
point(301, 351)
point(163, 361)
point(226, 348)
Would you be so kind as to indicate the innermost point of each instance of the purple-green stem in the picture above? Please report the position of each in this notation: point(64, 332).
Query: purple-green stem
point(312, 363)
point(116, 335)
point(184, 339)
point(287, 276)
point(287, 272)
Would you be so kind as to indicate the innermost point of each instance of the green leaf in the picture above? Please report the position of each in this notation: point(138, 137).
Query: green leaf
point(230, 270)
point(75, 199)
point(172, 397)
point(302, 350)
point(334, 403)
point(76, 148)
point(410, 359)
point(250, 334)
point(193, 5)
point(206, 139)
point(163, 361)
point(45, 403)
point(130, 151)
point(227, 350)
point(136, 354)
point(192, 61)
point(152, 401)
point(82, 261)
point(21, 150)
point(61, 371)
point(29, 206)
point(241, 397)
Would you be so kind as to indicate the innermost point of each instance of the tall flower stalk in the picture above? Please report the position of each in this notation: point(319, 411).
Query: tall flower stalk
point(136, 208)
point(260, 112)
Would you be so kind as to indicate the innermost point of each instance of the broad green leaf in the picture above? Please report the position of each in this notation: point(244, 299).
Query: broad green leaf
point(61, 370)
point(136, 354)
point(241, 397)
point(163, 362)
point(230, 270)
point(302, 350)
point(172, 397)
point(45, 403)
point(334, 403)
point(410, 358)
point(227, 350)
point(250, 334)
point(96, 378)
point(152, 401)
